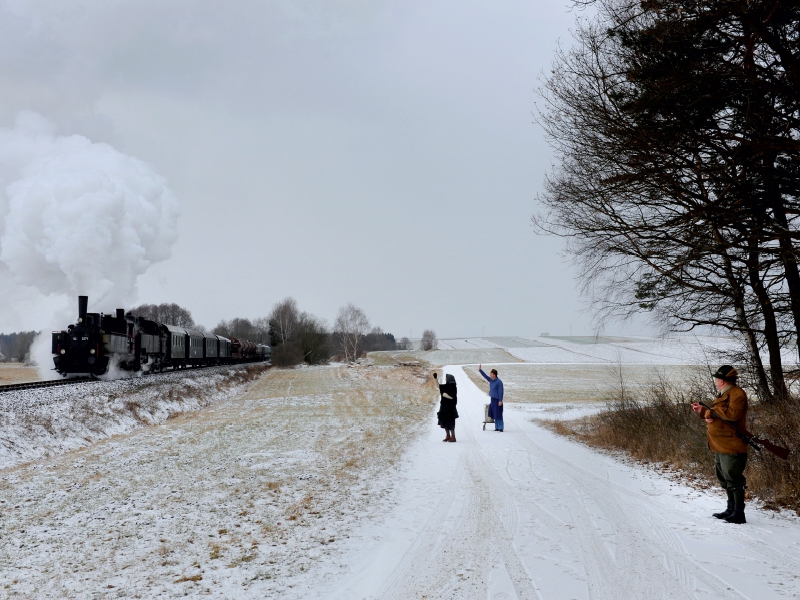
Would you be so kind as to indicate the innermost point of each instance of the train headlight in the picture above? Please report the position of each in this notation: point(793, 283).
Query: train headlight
point(91, 351)
point(63, 352)
point(80, 320)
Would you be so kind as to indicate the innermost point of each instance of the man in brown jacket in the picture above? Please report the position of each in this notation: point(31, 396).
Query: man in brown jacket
point(729, 451)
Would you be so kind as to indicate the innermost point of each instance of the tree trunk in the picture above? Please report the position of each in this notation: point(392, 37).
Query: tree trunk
point(770, 326)
point(789, 260)
point(737, 297)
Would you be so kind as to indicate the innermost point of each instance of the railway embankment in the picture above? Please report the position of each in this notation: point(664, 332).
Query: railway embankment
point(257, 496)
point(43, 422)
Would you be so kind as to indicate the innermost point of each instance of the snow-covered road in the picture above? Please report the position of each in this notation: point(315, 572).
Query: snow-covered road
point(529, 514)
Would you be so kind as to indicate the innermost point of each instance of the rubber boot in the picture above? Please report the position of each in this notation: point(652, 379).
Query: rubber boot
point(738, 509)
point(728, 511)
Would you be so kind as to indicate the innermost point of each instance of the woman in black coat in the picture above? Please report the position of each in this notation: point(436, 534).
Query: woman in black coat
point(447, 409)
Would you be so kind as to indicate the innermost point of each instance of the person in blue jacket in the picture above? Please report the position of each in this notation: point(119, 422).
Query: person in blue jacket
point(496, 395)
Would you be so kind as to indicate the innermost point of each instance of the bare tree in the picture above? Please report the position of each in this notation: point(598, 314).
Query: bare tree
point(167, 313)
point(261, 330)
point(429, 341)
point(238, 328)
point(405, 344)
point(675, 127)
point(313, 339)
point(283, 321)
point(351, 325)
point(16, 346)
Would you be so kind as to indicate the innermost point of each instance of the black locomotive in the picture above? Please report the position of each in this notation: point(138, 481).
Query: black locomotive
point(97, 341)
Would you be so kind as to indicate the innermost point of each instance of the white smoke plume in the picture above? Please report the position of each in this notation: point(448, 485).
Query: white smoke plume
point(76, 217)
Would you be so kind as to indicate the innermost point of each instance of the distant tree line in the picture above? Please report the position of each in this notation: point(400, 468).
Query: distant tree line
point(256, 330)
point(171, 314)
point(295, 336)
point(676, 127)
point(16, 346)
point(300, 336)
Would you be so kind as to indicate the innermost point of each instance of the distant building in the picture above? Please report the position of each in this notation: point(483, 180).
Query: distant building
point(545, 335)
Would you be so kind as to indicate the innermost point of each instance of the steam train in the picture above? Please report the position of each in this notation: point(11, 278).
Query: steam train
point(98, 342)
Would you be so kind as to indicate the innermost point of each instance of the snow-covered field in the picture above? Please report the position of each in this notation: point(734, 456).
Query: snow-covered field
point(244, 498)
point(528, 514)
point(467, 356)
point(333, 482)
point(632, 350)
point(43, 422)
point(576, 382)
point(685, 350)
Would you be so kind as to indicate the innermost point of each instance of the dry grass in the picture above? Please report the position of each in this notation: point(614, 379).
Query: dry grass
point(17, 373)
point(320, 444)
point(390, 358)
point(655, 424)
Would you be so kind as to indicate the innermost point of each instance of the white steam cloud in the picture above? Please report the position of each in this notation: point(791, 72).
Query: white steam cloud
point(79, 217)
point(76, 217)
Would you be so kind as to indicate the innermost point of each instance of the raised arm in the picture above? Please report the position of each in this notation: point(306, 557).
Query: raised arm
point(485, 376)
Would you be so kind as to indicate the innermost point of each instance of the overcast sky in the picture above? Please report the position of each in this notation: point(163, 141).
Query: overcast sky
point(380, 153)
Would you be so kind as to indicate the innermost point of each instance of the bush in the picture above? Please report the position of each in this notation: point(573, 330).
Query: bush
point(313, 339)
point(286, 355)
point(656, 424)
point(16, 346)
point(429, 341)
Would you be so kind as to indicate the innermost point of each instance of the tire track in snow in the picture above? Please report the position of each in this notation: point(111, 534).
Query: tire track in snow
point(518, 516)
point(647, 549)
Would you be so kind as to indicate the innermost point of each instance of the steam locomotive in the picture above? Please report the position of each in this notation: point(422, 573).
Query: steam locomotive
point(98, 342)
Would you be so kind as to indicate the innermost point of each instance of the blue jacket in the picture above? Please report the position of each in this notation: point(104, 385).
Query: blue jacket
point(495, 387)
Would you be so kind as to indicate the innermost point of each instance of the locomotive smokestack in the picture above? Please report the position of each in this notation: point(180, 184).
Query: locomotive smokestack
point(120, 313)
point(83, 305)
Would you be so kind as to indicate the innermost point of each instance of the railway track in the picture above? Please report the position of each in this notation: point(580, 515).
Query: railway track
point(31, 385)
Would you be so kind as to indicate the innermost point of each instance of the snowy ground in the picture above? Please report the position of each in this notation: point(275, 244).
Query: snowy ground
point(48, 421)
point(560, 383)
point(333, 482)
point(244, 498)
point(685, 350)
point(528, 514)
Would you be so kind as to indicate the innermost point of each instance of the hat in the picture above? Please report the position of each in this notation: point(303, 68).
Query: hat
point(727, 373)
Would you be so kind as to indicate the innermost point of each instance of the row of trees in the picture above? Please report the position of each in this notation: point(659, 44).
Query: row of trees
point(677, 132)
point(16, 346)
point(294, 335)
point(172, 314)
point(297, 336)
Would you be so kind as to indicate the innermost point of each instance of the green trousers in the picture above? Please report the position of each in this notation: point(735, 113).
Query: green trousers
point(730, 470)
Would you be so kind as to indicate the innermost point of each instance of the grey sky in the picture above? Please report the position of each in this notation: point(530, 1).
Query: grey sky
point(375, 152)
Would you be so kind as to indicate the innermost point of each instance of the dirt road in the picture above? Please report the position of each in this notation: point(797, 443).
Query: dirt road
point(527, 514)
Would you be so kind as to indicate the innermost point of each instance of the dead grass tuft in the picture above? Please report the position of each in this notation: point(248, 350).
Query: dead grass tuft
point(656, 425)
point(185, 578)
point(216, 551)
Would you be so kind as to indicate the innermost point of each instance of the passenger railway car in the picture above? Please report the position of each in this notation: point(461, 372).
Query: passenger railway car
point(97, 342)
